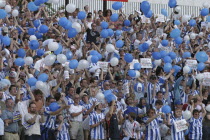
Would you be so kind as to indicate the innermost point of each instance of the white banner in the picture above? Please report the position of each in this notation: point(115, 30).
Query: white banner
point(103, 65)
point(206, 80)
point(146, 62)
point(192, 63)
point(180, 125)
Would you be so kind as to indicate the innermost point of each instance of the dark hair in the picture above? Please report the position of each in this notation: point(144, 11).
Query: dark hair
point(151, 109)
point(8, 100)
point(57, 96)
point(195, 111)
point(38, 92)
point(10, 88)
point(158, 70)
point(49, 98)
point(159, 92)
point(140, 102)
point(106, 12)
point(133, 115)
point(31, 104)
point(158, 102)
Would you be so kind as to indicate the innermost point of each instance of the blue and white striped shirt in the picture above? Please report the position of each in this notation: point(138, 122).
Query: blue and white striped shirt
point(150, 88)
point(195, 131)
point(97, 132)
point(50, 119)
point(69, 100)
point(176, 135)
point(63, 134)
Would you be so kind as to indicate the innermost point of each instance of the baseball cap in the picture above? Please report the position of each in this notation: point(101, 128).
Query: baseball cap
point(5, 29)
point(178, 102)
point(13, 74)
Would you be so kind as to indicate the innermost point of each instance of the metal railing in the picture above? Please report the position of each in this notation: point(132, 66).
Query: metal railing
point(129, 7)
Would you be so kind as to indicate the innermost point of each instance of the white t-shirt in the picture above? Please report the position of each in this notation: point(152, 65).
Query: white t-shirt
point(1, 127)
point(131, 128)
point(34, 129)
point(22, 107)
point(76, 109)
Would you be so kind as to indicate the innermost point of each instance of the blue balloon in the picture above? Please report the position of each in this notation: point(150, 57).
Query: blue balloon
point(172, 55)
point(175, 33)
point(63, 21)
point(34, 44)
point(94, 59)
point(156, 55)
point(43, 29)
point(54, 106)
point(166, 109)
point(137, 66)
point(40, 52)
point(21, 53)
point(186, 55)
point(109, 96)
point(3, 13)
point(99, 56)
point(81, 15)
point(144, 46)
point(177, 22)
point(114, 17)
point(119, 44)
point(6, 40)
point(43, 77)
point(163, 53)
point(192, 22)
point(118, 32)
point(204, 12)
point(164, 12)
point(149, 14)
point(172, 3)
point(104, 25)
point(93, 52)
point(132, 73)
point(201, 56)
point(201, 66)
point(59, 50)
point(19, 62)
point(167, 67)
point(110, 32)
point(32, 81)
point(39, 2)
point(128, 57)
point(178, 40)
point(164, 43)
point(141, 48)
point(32, 7)
point(176, 68)
point(117, 5)
point(72, 33)
point(38, 35)
point(167, 59)
point(127, 22)
point(104, 33)
point(186, 132)
point(145, 7)
point(36, 23)
point(68, 25)
point(73, 64)
point(69, 55)
point(208, 19)
point(31, 31)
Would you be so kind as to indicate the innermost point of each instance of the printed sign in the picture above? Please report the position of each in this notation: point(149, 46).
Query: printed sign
point(206, 80)
point(192, 63)
point(103, 65)
point(180, 125)
point(146, 63)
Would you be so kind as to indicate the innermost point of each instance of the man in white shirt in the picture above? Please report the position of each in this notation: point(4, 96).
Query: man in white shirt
point(76, 112)
point(32, 122)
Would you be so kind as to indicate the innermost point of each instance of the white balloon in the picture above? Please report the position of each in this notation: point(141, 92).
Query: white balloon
point(2, 3)
point(186, 38)
point(40, 85)
point(89, 58)
point(187, 115)
point(52, 46)
point(100, 97)
point(114, 61)
point(205, 5)
point(137, 74)
point(70, 8)
point(192, 36)
point(61, 58)
point(200, 34)
point(186, 69)
point(110, 48)
point(32, 37)
point(55, 1)
point(185, 18)
point(28, 60)
point(83, 64)
point(178, 9)
point(199, 77)
point(208, 108)
point(8, 8)
point(77, 26)
point(15, 13)
point(49, 59)
point(158, 62)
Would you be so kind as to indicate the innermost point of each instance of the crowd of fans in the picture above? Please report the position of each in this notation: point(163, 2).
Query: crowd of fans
point(115, 77)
